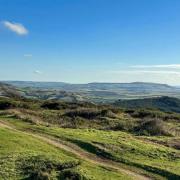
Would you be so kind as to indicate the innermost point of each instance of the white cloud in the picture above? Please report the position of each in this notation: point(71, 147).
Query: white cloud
point(173, 66)
point(27, 55)
point(15, 27)
point(37, 72)
point(145, 72)
point(156, 76)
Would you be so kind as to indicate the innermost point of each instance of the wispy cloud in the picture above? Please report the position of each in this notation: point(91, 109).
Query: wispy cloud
point(37, 72)
point(145, 72)
point(28, 55)
point(173, 66)
point(15, 27)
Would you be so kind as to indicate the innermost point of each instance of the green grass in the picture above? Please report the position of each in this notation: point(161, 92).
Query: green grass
point(16, 147)
point(118, 146)
point(123, 147)
point(142, 140)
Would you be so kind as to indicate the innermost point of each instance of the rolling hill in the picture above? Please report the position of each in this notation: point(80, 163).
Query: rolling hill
point(94, 92)
point(164, 103)
point(7, 90)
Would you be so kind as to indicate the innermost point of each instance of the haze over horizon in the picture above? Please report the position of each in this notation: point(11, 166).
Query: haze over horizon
point(90, 41)
point(70, 83)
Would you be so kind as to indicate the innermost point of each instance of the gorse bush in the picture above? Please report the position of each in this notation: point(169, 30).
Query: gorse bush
point(5, 105)
point(84, 113)
point(57, 105)
point(71, 175)
point(51, 105)
point(8, 103)
point(90, 113)
point(124, 126)
point(151, 127)
point(41, 168)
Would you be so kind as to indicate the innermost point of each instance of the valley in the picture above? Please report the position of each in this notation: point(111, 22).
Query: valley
point(93, 92)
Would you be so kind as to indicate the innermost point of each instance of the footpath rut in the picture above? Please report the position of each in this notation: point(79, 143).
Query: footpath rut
point(81, 154)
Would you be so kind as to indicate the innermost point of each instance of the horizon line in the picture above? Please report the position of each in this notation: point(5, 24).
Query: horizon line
point(99, 82)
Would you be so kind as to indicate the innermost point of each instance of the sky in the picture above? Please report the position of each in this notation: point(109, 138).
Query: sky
point(81, 41)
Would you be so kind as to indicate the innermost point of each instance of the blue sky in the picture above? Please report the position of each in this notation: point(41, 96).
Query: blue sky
point(83, 41)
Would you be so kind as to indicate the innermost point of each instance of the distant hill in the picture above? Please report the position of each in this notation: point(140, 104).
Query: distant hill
point(33, 84)
point(140, 86)
point(7, 90)
point(167, 104)
point(94, 92)
point(10, 90)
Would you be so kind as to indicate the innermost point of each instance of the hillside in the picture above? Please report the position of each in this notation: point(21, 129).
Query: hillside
point(167, 104)
point(62, 140)
point(7, 90)
point(10, 90)
point(94, 92)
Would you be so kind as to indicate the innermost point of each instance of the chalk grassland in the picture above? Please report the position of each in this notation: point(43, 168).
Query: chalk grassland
point(131, 152)
point(24, 157)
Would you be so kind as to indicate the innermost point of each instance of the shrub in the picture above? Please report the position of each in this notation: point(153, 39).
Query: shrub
point(41, 168)
point(5, 105)
point(143, 113)
point(71, 175)
point(124, 126)
point(90, 113)
point(86, 113)
point(151, 127)
point(51, 105)
point(108, 113)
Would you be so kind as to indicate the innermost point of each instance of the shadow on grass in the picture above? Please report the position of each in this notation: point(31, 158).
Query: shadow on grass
point(104, 154)
point(91, 148)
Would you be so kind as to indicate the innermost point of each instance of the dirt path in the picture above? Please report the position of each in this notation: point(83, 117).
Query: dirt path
point(81, 154)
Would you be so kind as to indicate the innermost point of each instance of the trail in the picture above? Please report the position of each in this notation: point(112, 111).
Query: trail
point(81, 154)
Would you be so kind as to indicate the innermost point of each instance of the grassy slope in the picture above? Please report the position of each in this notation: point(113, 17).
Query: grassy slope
point(137, 152)
point(118, 146)
point(87, 115)
point(166, 104)
point(16, 147)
